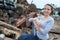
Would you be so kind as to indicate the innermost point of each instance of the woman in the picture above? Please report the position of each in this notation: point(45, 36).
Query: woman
point(41, 25)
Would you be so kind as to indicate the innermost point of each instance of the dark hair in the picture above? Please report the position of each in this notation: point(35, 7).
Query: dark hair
point(52, 8)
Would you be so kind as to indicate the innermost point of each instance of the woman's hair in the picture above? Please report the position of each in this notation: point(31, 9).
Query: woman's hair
point(52, 8)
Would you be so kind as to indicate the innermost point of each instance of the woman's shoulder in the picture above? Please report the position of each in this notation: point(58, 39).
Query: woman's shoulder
point(51, 19)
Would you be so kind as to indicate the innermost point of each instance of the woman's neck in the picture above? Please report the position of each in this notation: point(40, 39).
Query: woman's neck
point(46, 16)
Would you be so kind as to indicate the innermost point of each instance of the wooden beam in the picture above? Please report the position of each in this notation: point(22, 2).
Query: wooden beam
point(9, 25)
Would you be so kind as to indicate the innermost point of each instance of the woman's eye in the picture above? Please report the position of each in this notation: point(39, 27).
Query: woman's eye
point(46, 9)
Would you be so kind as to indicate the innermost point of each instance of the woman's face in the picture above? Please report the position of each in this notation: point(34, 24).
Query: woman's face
point(47, 10)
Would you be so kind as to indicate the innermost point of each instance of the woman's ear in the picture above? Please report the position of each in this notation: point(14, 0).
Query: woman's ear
point(52, 12)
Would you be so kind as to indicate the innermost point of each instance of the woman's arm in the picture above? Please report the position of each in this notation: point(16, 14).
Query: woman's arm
point(47, 28)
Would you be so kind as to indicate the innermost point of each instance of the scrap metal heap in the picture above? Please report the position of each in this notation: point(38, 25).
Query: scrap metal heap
point(13, 18)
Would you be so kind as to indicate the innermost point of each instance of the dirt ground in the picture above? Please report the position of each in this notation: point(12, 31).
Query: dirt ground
point(55, 29)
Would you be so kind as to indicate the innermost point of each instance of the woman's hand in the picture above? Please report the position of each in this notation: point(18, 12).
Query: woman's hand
point(35, 21)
